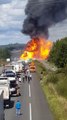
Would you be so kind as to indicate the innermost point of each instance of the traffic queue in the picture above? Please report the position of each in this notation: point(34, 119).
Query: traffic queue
point(9, 83)
point(10, 80)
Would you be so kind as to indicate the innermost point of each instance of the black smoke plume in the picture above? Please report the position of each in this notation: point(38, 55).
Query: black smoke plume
point(41, 14)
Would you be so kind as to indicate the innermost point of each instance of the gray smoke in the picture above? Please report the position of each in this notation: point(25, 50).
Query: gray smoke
point(41, 14)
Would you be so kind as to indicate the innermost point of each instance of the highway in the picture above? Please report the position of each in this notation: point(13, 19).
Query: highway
point(34, 104)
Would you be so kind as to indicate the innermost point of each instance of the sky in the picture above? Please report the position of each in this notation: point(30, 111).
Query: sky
point(12, 16)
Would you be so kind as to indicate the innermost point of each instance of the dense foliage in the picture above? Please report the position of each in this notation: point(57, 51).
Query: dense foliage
point(58, 54)
point(4, 53)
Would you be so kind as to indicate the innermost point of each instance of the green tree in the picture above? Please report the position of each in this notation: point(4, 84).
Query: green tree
point(4, 53)
point(58, 54)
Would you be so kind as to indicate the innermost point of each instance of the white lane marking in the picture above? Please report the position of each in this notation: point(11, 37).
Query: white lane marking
point(30, 107)
point(29, 91)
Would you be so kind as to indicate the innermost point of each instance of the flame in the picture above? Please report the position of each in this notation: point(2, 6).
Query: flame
point(37, 48)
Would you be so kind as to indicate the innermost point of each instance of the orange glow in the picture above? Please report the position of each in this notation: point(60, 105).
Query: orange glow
point(37, 48)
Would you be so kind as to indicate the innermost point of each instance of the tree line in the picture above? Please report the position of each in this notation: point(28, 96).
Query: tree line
point(58, 54)
point(4, 53)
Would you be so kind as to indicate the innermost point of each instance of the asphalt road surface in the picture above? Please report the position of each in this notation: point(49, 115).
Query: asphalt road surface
point(34, 104)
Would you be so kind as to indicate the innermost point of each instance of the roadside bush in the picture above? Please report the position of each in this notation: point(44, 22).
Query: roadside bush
point(52, 78)
point(62, 88)
point(58, 54)
point(58, 71)
point(64, 70)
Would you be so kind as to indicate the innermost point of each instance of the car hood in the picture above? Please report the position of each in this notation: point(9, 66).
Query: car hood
point(11, 78)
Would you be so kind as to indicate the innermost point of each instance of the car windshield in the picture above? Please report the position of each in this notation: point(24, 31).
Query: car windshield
point(9, 72)
point(10, 75)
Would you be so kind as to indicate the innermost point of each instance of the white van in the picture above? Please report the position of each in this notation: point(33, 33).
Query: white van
point(5, 86)
point(13, 81)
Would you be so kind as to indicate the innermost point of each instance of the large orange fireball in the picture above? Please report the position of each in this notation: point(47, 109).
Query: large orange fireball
point(37, 48)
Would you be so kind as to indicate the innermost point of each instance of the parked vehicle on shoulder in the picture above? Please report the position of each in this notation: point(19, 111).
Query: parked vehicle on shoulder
point(5, 87)
point(2, 116)
point(13, 81)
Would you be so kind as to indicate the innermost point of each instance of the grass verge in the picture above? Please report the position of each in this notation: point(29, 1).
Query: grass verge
point(55, 89)
point(55, 102)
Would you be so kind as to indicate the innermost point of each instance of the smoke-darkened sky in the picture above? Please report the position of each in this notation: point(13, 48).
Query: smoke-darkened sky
point(12, 15)
point(42, 14)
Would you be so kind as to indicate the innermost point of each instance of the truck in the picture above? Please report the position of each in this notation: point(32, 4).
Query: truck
point(5, 87)
point(18, 66)
point(15, 67)
point(13, 81)
point(2, 115)
point(9, 67)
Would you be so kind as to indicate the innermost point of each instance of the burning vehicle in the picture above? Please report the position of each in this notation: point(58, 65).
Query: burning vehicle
point(37, 48)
